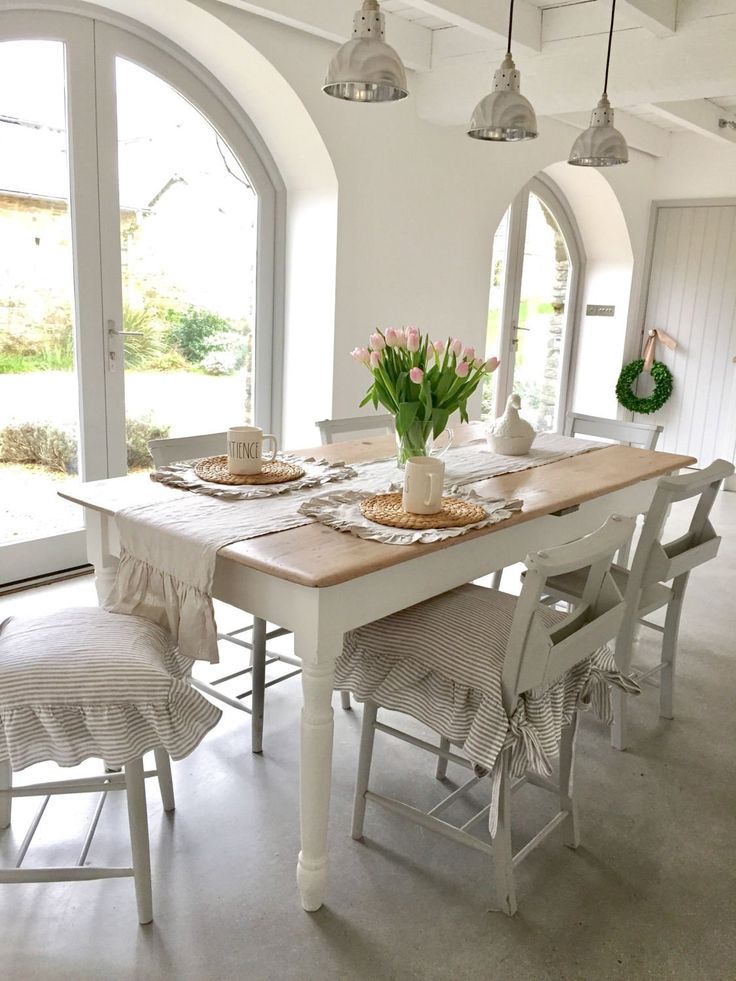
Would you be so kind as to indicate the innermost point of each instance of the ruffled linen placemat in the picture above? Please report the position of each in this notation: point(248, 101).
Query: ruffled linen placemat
point(316, 473)
point(340, 509)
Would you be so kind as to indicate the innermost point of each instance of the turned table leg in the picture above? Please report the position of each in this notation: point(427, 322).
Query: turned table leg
point(315, 768)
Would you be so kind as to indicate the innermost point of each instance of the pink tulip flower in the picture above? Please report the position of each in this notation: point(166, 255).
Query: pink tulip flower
point(392, 337)
point(375, 359)
point(469, 354)
point(413, 341)
point(456, 346)
point(376, 342)
point(416, 375)
point(492, 364)
point(401, 338)
point(361, 354)
point(439, 347)
point(478, 363)
point(462, 369)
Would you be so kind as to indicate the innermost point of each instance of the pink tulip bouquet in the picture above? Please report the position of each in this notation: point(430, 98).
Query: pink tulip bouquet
point(421, 382)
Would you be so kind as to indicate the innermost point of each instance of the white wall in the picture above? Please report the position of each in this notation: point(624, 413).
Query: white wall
point(696, 167)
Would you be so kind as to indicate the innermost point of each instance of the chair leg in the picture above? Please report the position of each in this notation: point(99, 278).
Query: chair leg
point(496, 579)
point(345, 700)
point(367, 735)
point(669, 652)
point(441, 771)
point(259, 684)
point(6, 783)
point(568, 804)
point(165, 782)
point(138, 824)
point(503, 865)
point(619, 726)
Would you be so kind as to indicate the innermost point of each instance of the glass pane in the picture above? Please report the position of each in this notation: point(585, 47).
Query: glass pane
point(39, 419)
point(545, 284)
point(499, 258)
point(189, 219)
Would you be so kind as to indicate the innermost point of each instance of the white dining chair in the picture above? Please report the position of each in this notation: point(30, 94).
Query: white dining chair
point(644, 434)
point(179, 449)
point(352, 426)
point(645, 586)
point(85, 683)
point(500, 677)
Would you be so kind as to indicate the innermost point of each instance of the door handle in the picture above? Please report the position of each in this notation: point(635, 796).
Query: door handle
point(125, 333)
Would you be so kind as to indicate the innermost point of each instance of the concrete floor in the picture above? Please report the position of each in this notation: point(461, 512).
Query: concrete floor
point(651, 893)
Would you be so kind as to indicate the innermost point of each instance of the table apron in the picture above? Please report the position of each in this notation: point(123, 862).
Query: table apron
point(313, 612)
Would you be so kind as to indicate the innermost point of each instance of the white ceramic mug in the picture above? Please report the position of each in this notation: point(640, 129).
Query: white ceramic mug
point(423, 480)
point(245, 449)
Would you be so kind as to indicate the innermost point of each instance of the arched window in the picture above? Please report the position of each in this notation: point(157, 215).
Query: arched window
point(137, 235)
point(536, 270)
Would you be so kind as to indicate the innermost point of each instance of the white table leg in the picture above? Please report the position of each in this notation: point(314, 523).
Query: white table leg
point(315, 773)
point(99, 552)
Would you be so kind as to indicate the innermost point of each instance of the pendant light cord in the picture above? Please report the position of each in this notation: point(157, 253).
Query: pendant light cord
point(610, 38)
point(511, 21)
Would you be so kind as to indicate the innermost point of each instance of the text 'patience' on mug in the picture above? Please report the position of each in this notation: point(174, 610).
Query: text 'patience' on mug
point(245, 449)
point(423, 480)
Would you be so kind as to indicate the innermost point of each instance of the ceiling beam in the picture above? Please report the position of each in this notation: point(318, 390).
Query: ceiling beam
point(489, 20)
point(333, 20)
point(697, 115)
point(659, 17)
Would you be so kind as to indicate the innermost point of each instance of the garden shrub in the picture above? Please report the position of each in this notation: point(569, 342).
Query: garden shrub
point(40, 443)
point(137, 434)
point(195, 332)
point(46, 445)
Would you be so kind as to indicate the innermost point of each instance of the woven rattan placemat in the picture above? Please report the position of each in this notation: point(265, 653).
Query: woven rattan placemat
point(385, 509)
point(214, 469)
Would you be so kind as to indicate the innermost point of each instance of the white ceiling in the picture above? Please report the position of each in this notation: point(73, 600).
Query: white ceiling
point(672, 60)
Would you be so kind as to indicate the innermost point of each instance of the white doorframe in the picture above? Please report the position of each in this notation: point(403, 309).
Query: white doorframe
point(552, 197)
point(91, 48)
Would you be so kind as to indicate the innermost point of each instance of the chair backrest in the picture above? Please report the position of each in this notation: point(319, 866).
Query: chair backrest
point(537, 654)
point(353, 426)
point(178, 448)
point(658, 562)
point(643, 434)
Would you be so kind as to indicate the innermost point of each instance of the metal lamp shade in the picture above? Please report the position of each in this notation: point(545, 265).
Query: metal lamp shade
point(365, 68)
point(505, 115)
point(601, 144)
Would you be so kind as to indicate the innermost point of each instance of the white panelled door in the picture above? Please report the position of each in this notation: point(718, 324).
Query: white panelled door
point(692, 295)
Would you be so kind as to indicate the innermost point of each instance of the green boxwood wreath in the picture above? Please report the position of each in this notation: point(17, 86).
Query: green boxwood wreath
point(662, 387)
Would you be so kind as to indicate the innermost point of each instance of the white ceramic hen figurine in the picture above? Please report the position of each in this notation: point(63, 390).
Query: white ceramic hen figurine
point(510, 434)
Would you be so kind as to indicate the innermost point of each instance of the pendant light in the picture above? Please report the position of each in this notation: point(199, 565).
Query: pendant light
point(601, 145)
point(365, 68)
point(504, 115)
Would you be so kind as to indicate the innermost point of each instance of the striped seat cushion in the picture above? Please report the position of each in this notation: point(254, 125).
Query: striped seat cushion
point(441, 663)
point(85, 682)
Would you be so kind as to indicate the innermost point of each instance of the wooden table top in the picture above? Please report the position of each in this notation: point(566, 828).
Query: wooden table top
point(315, 555)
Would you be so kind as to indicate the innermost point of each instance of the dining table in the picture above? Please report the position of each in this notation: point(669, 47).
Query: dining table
point(319, 582)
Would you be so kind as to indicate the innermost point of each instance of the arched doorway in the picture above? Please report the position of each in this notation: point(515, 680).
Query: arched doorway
point(139, 230)
point(537, 265)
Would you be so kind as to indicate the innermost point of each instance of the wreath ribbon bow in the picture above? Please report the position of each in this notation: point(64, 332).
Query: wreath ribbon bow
point(651, 343)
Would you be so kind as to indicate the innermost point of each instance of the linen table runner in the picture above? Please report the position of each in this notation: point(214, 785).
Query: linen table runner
point(168, 550)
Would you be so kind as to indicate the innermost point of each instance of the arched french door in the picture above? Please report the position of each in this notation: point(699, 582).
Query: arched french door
point(137, 235)
point(536, 271)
